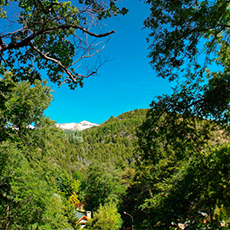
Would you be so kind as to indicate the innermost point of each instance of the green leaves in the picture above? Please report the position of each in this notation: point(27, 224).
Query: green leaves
point(102, 185)
point(178, 173)
point(22, 104)
point(106, 218)
point(31, 158)
point(56, 37)
point(190, 44)
point(24, 193)
point(178, 29)
point(27, 196)
point(181, 170)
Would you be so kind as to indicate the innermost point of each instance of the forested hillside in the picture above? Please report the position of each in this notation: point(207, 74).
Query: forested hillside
point(105, 157)
point(166, 167)
point(113, 142)
point(146, 162)
point(170, 167)
point(47, 173)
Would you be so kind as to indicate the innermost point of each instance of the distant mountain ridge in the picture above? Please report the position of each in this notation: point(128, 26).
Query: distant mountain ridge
point(112, 141)
point(76, 126)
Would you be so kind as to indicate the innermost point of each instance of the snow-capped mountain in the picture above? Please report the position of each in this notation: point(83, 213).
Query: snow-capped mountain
point(77, 126)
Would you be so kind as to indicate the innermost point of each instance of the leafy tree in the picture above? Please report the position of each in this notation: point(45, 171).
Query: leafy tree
point(21, 105)
point(54, 36)
point(178, 173)
point(173, 180)
point(106, 218)
point(26, 196)
point(31, 159)
point(190, 39)
point(102, 185)
point(55, 216)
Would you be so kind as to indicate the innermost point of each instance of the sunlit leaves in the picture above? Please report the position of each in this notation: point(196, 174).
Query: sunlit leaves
point(106, 218)
point(56, 36)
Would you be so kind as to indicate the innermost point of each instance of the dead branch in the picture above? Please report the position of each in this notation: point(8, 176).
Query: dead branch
point(90, 55)
point(72, 77)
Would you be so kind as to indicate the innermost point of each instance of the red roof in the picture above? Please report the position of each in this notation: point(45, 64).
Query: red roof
point(82, 218)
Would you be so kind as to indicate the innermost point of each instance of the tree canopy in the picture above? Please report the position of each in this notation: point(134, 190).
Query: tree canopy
point(184, 140)
point(106, 218)
point(56, 36)
point(190, 39)
point(173, 169)
point(32, 158)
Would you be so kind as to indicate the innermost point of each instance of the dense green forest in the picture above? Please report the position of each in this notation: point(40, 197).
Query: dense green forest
point(106, 154)
point(46, 173)
point(112, 142)
point(166, 167)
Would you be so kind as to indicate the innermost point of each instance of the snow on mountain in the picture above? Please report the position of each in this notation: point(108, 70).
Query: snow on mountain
point(77, 126)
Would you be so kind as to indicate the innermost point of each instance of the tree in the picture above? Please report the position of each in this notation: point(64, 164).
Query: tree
point(180, 29)
point(27, 193)
point(106, 218)
point(190, 42)
point(55, 36)
point(31, 158)
point(102, 185)
point(179, 172)
point(21, 105)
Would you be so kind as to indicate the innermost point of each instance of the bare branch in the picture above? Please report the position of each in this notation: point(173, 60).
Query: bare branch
point(90, 55)
point(11, 33)
point(72, 77)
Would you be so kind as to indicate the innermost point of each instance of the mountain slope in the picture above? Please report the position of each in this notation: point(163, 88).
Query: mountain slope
point(113, 141)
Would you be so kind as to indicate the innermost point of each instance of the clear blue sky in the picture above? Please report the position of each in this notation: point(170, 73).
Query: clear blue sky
point(127, 82)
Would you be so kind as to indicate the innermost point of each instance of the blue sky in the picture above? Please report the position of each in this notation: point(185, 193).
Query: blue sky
point(125, 83)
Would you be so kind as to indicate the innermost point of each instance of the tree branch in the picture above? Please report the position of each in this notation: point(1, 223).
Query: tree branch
point(90, 55)
point(27, 40)
point(72, 77)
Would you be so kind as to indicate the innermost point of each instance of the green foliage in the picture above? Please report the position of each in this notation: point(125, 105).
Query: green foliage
point(179, 173)
point(26, 191)
point(105, 159)
point(51, 35)
point(178, 28)
point(74, 136)
point(54, 216)
point(102, 185)
point(31, 159)
point(190, 40)
point(106, 218)
point(21, 104)
point(113, 142)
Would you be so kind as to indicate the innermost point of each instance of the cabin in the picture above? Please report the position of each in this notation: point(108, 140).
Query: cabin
point(83, 216)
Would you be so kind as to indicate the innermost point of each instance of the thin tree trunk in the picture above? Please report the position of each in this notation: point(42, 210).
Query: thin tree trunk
point(211, 218)
point(7, 216)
